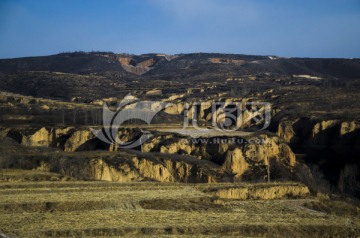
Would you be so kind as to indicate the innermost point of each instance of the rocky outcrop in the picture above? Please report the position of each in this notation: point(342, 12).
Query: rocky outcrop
point(272, 148)
point(264, 192)
point(348, 127)
point(130, 65)
point(68, 138)
point(195, 171)
point(147, 63)
point(131, 167)
point(178, 146)
point(153, 143)
point(138, 70)
point(314, 132)
point(174, 97)
point(322, 133)
point(41, 137)
point(322, 126)
point(286, 131)
point(126, 61)
point(233, 157)
point(333, 145)
point(134, 169)
point(235, 163)
point(78, 138)
point(175, 108)
point(153, 170)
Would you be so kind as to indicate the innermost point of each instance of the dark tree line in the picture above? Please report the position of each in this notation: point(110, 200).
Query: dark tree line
point(80, 117)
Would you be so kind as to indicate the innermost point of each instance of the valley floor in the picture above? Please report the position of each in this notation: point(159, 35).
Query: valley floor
point(152, 209)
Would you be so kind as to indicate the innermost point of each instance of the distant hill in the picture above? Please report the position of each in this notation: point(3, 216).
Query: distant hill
point(99, 74)
point(82, 63)
point(183, 65)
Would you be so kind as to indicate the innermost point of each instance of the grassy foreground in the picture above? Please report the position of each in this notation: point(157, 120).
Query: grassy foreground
point(150, 209)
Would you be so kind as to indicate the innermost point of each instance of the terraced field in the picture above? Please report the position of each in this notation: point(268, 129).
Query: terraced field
point(151, 209)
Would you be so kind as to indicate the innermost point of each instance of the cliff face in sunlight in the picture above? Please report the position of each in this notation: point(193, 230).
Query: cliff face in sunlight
point(169, 157)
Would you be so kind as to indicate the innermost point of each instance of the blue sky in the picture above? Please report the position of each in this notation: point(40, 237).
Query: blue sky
point(292, 28)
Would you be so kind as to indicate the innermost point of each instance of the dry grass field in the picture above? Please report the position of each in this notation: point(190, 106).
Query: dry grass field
point(150, 209)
